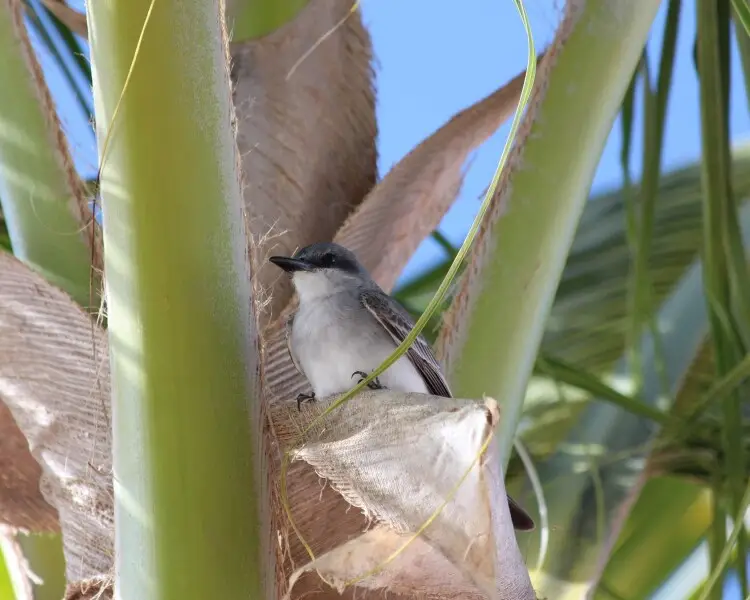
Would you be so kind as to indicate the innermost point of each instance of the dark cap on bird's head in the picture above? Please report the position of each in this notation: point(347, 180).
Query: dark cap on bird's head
point(322, 255)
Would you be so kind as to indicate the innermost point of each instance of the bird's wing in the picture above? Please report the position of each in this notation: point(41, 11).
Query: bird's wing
point(398, 323)
point(289, 347)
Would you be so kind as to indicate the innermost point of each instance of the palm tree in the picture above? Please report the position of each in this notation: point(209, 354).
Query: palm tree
point(162, 409)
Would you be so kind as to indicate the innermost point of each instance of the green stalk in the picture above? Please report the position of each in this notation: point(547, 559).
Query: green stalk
point(39, 190)
point(717, 538)
point(184, 356)
point(723, 388)
point(631, 220)
point(419, 290)
point(633, 229)
point(251, 19)
point(734, 537)
point(6, 582)
point(724, 280)
point(14, 583)
point(446, 245)
point(668, 521)
point(518, 280)
point(45, 555)
point(654, 111)
point(576, 377)
point(741, 10)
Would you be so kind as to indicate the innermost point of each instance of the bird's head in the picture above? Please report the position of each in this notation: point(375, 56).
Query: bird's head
point(322, 269)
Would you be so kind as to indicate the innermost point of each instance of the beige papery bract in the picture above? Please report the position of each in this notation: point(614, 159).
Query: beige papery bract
point(425, 470)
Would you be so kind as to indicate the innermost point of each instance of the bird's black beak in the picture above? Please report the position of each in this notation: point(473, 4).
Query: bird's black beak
point(290, 265)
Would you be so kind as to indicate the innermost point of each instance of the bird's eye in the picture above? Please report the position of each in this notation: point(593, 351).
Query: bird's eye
point(327, 260)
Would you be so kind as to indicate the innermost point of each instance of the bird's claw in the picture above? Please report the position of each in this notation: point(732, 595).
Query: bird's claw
point(373, 385)
point(304, 398)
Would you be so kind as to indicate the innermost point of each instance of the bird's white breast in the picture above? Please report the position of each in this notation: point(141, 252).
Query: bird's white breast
point(334, 336)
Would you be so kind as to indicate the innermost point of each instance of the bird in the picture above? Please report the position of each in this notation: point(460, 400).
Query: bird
point(346, 326)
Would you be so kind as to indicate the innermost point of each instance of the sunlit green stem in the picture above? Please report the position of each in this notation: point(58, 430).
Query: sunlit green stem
point(544, 202)
point(45, 555)
point(723, 559)
point(667, 523)
point(183, 344)
point(726, 280)
point(38, 186)
point(250, 19)
point(654, 111)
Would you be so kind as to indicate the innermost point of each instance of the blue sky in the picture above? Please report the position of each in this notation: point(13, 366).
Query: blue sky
point(434, 60)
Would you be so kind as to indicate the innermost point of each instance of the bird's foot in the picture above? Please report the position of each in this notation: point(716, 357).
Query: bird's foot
point(373, 385)
point(304, 398)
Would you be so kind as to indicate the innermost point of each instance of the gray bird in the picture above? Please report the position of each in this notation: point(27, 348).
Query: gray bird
point(346, 326)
